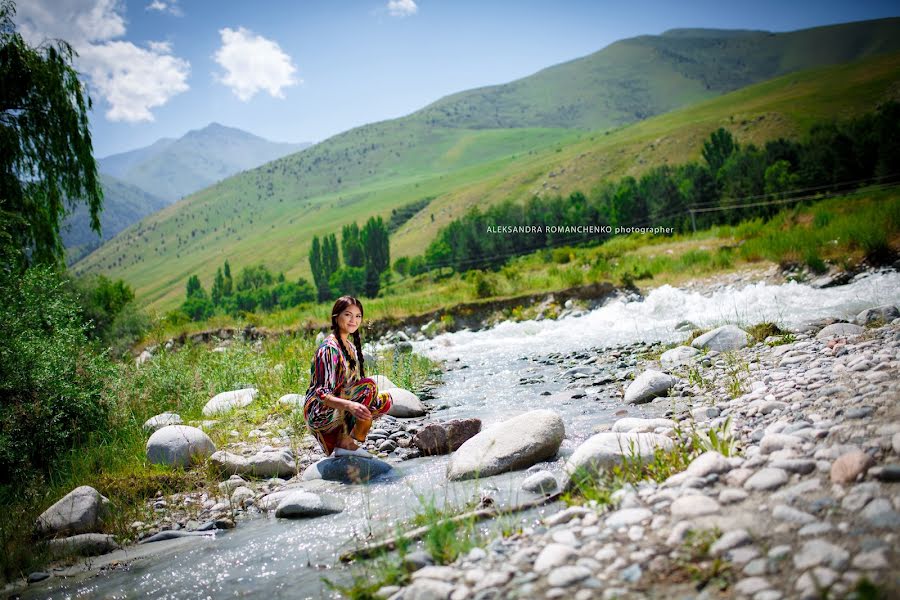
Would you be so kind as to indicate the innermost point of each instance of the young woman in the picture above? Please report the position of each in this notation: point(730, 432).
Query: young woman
point(341, 402)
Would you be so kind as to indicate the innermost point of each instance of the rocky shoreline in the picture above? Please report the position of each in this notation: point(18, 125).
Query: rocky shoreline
point(809, 404)
point(810, 507)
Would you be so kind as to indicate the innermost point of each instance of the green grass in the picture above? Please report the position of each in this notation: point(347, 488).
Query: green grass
point(270, 214)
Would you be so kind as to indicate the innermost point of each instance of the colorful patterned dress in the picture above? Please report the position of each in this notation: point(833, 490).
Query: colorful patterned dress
point(330, 373)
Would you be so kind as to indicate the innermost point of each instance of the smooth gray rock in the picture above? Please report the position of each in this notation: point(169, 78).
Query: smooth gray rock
point(553, 555)
point(677, 356)
point(729, 541)
point(179, 445)
point(292, 400)
point(638, 424)
point(820, 552)
point(625, 517)
point(884, 314)
point(542, 482)
point(300, 504)
point(514, 444)
point(608, 449)
point(694, 506)
point(879, 513)
point(405, 404)
point(839, 330)
point(428, 589)
point(227, 401)
point(346, 469)
point(567, 575)
point(161, 420)
point(723, 339)
point(647, 386)
point(275, 463)
point(708, 463)
point(175, 533)
point(80, 511)
point(382, 381)
point(766, 479)
point(83, 544)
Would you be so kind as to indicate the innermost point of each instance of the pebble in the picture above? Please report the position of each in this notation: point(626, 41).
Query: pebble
point(567, 575)
point(766, 479)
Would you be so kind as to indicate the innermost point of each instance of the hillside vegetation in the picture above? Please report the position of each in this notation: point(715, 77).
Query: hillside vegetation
point(271, 213)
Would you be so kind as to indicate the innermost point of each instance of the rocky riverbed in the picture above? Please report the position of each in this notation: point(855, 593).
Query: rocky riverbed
point(808, 507)
point(814, 417)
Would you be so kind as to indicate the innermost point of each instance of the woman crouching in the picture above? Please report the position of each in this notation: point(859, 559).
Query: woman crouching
point(341, 401)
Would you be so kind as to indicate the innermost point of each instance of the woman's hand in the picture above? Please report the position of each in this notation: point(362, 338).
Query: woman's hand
point(359, 411)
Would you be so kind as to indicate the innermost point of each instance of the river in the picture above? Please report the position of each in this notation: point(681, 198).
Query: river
point(276, 558)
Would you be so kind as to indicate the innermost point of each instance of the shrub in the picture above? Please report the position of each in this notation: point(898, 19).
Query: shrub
point(51, 376)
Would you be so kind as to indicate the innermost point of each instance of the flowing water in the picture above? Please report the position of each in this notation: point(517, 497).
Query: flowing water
point(277, 558)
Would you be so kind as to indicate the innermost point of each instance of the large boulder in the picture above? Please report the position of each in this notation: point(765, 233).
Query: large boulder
point(346, 469)
point(292, 400)
point(80, 511)
point(227, 401)
point(443, 438)
point(677, 356)
point(723, 339)
point(840, 330)
point(300, 504)
point(606, 450)
point(508, 446)
point(647, 386)
point(161, 420)
point(179, 445)
point(405, 404)
point(274, 463)
point(382, 382)
point(83, 544)
point(878, 314)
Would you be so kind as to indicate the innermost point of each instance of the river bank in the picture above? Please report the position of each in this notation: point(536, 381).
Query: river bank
point(808, 507)
point(570, 390)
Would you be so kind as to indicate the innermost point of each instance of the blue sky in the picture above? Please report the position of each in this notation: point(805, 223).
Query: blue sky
point(305, 70)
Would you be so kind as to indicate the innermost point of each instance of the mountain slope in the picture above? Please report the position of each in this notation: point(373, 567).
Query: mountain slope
point(123, 205)
point(648, 75)
point(171, 169)
point(271, 213)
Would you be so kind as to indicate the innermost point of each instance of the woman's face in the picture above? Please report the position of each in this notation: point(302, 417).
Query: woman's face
point(349, 319)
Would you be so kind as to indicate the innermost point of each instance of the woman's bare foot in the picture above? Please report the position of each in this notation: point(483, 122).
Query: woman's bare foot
point(347, 443)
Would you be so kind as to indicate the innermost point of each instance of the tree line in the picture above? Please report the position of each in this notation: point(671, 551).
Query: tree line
point(367, 259)
point(256, 289)
point(833, 156)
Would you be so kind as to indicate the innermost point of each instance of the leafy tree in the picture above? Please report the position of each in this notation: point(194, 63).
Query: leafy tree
point(351, 246)
point(375, 242)
point(319, 271)
point(254, 277)
point(718, 148)
point(217, 288)
point(348, 280)
point(401, 265)
point(228, 283)
point(197, 307)
point(779, 178)
point(194, 288)
point(46, 153)
point(330, 258)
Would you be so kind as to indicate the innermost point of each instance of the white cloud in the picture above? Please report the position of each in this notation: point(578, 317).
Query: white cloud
point(253, 64)
point(134, 80)
point(169, 6)
point(402, 8)
point(131, 79)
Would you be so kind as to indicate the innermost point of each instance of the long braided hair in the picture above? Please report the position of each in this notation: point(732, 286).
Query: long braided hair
point(340, 304)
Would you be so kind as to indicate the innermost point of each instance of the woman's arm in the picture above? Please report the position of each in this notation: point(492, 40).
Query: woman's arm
point(354, 408)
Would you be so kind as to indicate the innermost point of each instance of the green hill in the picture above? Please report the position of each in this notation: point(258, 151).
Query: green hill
point(270, 214)
point(123, 205)
point(171, 169)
